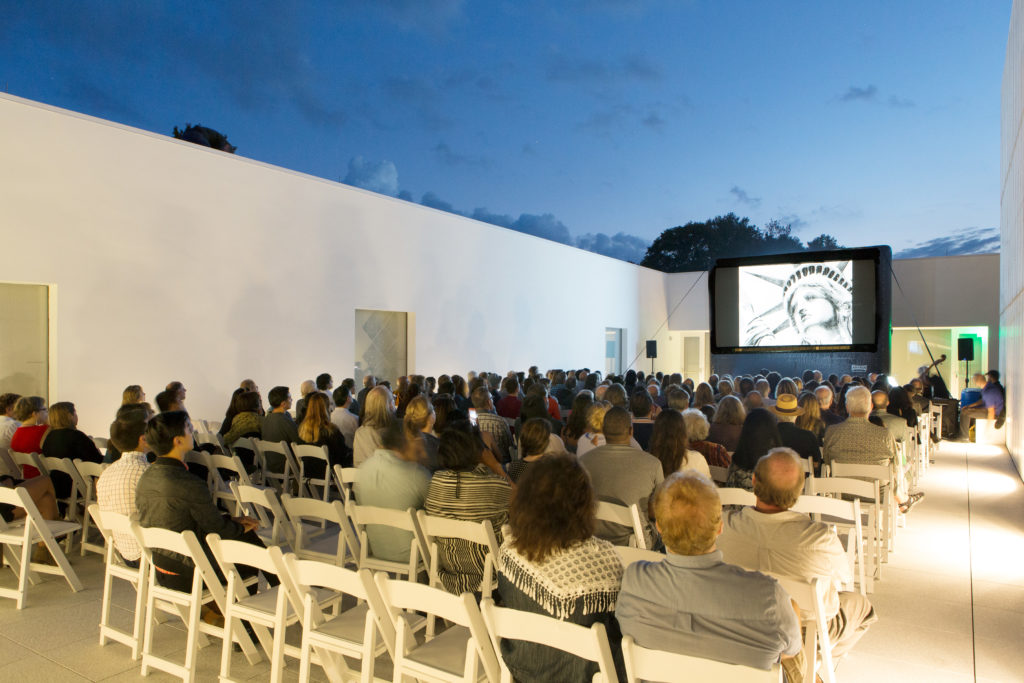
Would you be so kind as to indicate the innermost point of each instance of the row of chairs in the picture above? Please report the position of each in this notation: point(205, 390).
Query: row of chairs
point(385, 617)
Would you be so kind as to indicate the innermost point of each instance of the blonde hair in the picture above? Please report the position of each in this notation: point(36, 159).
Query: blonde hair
point(730, 411)
point(316, 419)
point(131, 394)
point(417, 415)
point(62, 415)
point(595, 416)
point(811, 417)
point(689, 512)
point(379, 409)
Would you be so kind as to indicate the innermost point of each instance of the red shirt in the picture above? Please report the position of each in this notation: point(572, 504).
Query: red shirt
point(28, 439)
point(509, 407)
point(553, 409)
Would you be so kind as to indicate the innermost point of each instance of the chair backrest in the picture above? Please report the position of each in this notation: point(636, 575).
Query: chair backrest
point(848, 469)
point(101, 443)
point(658, 666)
point(211, 438)
point(23, 460)
point(319, 453)
point(346, 478)
point(79, 489)
point(719, 475)
point(734, 496)
point(362, 515)
point(462, 609)
point(586, 643)
point(264, 504)
point(630, 555)
point(184, 543)
point(625, 515)
point(481, 533)
point(300, 510)
point(846, 486)
point(231, 553)
point(845, 510)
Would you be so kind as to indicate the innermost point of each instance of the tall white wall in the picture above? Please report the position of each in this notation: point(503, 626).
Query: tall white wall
point(1011, 303)
point(172, 261)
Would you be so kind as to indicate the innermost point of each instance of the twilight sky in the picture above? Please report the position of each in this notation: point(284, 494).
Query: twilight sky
point(594, 122)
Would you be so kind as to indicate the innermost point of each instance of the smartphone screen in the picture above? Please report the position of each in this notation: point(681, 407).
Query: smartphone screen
point(472, 416)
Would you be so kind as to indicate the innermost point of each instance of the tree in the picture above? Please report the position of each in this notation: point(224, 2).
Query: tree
point(207, 137)
point(697, 245)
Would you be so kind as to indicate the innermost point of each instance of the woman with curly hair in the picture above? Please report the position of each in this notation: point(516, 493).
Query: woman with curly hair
point(550, 563)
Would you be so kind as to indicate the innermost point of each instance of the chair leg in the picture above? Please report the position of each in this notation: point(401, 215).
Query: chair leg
point(228, 643)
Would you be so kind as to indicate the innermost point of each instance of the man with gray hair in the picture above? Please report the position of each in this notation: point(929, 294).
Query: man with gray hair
point(858, 441)
point(825, 396)
point(770, 537)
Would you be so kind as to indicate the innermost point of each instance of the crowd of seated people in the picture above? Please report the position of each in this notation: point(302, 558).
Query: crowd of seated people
point(533, 454)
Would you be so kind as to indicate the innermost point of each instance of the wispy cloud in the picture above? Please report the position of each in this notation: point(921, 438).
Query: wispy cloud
point(858, 94)
point(900, 102)
point(963, 241)
point(744, 198)
point(452, 158)
point(380, 176)
point(568, 69)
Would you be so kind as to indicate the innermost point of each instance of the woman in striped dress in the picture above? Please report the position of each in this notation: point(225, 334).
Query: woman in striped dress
point(465, 489)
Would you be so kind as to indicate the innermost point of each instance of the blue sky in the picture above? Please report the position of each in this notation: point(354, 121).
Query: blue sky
point(875, 122)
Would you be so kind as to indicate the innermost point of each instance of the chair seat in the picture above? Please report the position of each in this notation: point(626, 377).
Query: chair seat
point(16, 530)
point(446, 651)
point(349, 625)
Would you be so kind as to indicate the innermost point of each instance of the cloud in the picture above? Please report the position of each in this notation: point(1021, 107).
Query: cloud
point(900, 102)
point(855, 93)
point(381, 176)
point(743, 198)
point(636, 67)
point(964, 241)
point(793, 220)
point(443, 152)
point(620, 245)
point(433, 201)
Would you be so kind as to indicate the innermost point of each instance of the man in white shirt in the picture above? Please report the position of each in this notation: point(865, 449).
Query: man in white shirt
point(345, 419)
point(115, 489)
point(8, 425)
point(772, 538)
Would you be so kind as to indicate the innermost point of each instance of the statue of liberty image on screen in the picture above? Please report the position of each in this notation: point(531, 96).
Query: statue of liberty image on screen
point(806, 304)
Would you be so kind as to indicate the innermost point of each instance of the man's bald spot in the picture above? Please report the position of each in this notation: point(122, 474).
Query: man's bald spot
point(782, 468)
point(879, 399)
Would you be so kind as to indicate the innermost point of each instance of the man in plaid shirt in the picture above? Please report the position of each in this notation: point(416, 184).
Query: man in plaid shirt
point(115, 489)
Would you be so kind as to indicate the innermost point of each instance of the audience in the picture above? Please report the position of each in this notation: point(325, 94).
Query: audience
point(771, 537)
point(378, 410)
point(342, 416)
point(550, 563)
point(727, 423)
point(534, 442)
point(810, 418)
point(696, 604)
point(305, 389)
point(392, 478)
point(758, 435)
point(880, 414)
point(465, 488)
point(32, 415)
point(576, 425)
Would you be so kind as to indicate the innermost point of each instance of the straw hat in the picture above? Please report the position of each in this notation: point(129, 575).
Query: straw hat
point(786, 405)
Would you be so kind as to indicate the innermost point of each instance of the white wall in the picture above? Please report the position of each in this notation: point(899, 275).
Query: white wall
point(1011, 303)
point(177, 262)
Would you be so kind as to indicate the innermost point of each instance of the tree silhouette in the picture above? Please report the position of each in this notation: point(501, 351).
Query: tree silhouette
point(207, 137)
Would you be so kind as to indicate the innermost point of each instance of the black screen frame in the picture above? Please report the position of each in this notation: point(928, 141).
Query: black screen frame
point(874, 254)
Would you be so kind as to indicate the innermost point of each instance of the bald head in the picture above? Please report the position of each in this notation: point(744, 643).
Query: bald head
point(617, 426)
point(779, 478)
point(879, 399)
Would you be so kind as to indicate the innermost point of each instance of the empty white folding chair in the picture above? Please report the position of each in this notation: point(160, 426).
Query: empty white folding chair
point(624, 515)
point(462, 652)
point(719, 475)
point(883, 475)
point(89, 472)
point(206, 587)
point(264, 505)
point(481, 533)
point(630, 555)
point(734, 496)
point(405, 520)
point(278, 464)
point(307, 454)
point(867, 492)
point(585, 643)
point(810, 597)
point(658, 666)
point(328, 638)
point(847, 512)
point(110, 523)
point(321, 530)
point(24, 534)
point(346, 477)
point(230, 466)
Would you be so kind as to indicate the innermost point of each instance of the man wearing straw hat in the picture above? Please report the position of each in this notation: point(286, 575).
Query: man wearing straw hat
point(804, 442)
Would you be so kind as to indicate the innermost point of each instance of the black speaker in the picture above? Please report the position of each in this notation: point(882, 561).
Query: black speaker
point(965, 348)
point(652, 348)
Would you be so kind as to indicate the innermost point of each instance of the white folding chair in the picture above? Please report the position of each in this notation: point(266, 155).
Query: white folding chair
point(110, 523)
point(244, 448)
point(26, 532)
point(211, 439)
point(658, 666)
point(883, 475)
point(314, 537)
point(624, 515)
point(810, 597)
point(733, 496)
point(586, 643)
point(89, 472)
point(307, 451)
point(481, 533)
point(221, 488)
point(346, 477)
point(279, 465)
point(49, 465)
point(264, 505)
point(719, 475)
point(205, 587)
point(462, 652)
point(871, 508)
point(363, 515)
point(101, 443)
point(350, 633)
point(23, 460)
point(630, 555)
point(847, 512)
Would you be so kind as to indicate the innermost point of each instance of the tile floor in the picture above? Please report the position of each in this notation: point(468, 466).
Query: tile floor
point(951, 599)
